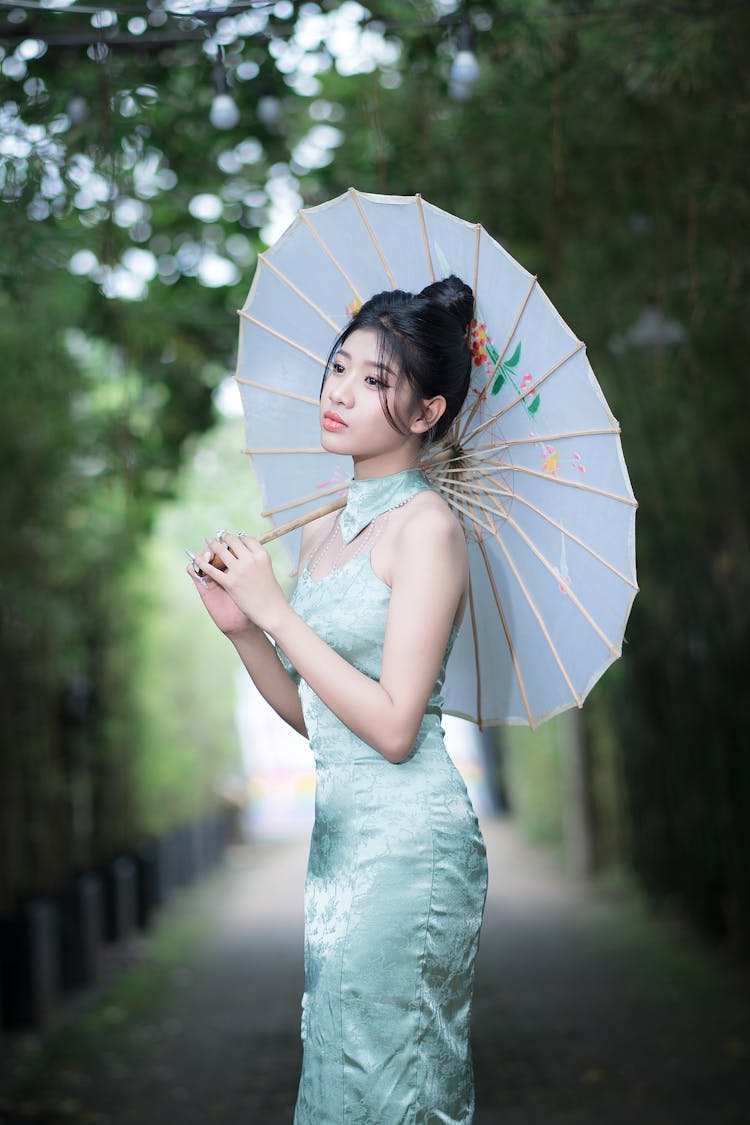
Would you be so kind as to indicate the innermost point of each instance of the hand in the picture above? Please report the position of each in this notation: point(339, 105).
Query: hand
point(223, 611)
point(248, 580)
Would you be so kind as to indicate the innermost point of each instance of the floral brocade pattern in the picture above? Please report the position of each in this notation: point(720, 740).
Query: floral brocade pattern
point(394, 898)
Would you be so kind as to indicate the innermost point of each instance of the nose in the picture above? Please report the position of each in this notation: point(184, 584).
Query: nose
point(341, 389)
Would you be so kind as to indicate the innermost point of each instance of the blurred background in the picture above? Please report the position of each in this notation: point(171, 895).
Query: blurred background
point(148, 153)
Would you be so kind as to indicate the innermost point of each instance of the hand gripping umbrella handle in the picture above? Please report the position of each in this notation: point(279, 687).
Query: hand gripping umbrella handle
point(277, 532)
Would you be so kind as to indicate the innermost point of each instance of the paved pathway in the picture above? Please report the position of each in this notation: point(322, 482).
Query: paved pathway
point(586, 1012)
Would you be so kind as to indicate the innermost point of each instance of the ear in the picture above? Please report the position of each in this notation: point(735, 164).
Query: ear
point(429, 414)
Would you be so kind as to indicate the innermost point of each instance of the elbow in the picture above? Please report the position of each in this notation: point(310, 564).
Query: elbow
point(396, 732)
point(397, 748)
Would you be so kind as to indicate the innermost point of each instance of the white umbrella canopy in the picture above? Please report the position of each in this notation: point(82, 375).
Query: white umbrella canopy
point(533, 466)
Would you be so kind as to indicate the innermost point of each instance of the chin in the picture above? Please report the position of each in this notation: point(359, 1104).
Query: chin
point(334, 443)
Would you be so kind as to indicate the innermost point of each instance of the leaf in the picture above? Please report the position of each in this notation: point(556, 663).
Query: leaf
point(492, 352)
point(514, 358)
point(498, 382)
point(534, 405)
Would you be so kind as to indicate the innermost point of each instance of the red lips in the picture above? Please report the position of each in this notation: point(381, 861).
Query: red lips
point(332, 422)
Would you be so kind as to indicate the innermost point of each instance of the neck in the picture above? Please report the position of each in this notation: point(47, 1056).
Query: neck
point(385, 465)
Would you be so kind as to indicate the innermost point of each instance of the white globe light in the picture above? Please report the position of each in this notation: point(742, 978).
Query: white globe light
point(464, 73)
point(224, 113)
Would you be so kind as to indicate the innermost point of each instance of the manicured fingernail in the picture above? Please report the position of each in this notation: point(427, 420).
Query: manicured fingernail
point(190, 554)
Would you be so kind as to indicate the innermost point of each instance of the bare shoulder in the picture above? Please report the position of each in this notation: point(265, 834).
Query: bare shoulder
point(429, 523)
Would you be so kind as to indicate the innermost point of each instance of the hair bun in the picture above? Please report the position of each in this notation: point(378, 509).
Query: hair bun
point(454, 296)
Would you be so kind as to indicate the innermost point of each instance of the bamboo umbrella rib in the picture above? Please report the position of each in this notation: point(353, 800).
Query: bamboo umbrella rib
point(280, 336)
point(371, 232)
point(478, 236)
point(493, 373)
point(458, 483)
point(457, 463)
point(462, 461)
point(426, 240)
point(553, 523)
point(535, 610)
point(533, 439)
point(506, 630)
point(455, 426)
point(304, 500)
point(462, 496)
point(475, 639)
point(568, 591)
point(450, 486)
point(454, 465)
point(254, 452)
point(507, 465)
point(458, 472)
point(333, 258)
point(295, 289)
point(459, 507)
point(488, 488)
point(276, 391)
point(531, 390)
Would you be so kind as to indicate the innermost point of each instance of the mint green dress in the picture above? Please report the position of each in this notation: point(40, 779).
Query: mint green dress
point(396, 882)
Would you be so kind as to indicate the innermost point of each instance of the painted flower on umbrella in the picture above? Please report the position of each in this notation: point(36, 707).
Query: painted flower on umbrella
point(337, 477)
point(507, 373)
point(483, 351)
point(551, 460)
point(353, 307)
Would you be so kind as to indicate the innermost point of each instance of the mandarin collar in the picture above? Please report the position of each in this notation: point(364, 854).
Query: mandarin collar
point(371, 497)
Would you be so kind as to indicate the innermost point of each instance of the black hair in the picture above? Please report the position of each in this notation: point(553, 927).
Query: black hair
point(424, 338)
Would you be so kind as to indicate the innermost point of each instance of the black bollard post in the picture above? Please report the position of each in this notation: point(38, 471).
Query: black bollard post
point(81, 932)
point(120, 899)
point(30, 964)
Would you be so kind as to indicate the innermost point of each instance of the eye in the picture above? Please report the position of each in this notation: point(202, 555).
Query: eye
point(338, 367)
point(375, 381)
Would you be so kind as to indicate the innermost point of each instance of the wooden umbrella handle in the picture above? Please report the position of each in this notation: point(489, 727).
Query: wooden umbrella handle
point(316, 513)
point(284, 528)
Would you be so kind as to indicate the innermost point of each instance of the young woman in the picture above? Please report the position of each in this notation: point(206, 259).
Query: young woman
point(397, 874)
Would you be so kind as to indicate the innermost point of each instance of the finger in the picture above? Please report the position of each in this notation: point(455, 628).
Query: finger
point(219, 552)
point(200, 581)
point(196, 560)
point(237, 543)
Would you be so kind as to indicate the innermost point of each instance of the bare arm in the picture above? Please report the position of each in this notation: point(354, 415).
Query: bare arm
point(270, 677)
point(428, 580)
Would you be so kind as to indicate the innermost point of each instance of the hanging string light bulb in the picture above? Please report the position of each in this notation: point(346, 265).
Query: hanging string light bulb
point(224, 113)
point(465, 68)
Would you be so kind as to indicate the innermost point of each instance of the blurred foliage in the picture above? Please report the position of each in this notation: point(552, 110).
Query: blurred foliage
point(534, 764)
point(185, 747)
point(604, 144)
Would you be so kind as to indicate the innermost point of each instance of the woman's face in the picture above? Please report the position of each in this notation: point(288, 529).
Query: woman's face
point(352, 418)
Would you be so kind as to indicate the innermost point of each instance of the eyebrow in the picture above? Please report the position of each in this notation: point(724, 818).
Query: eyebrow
point(382, 367)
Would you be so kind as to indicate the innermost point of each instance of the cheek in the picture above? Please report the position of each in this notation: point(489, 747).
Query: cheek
point(404, 407)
